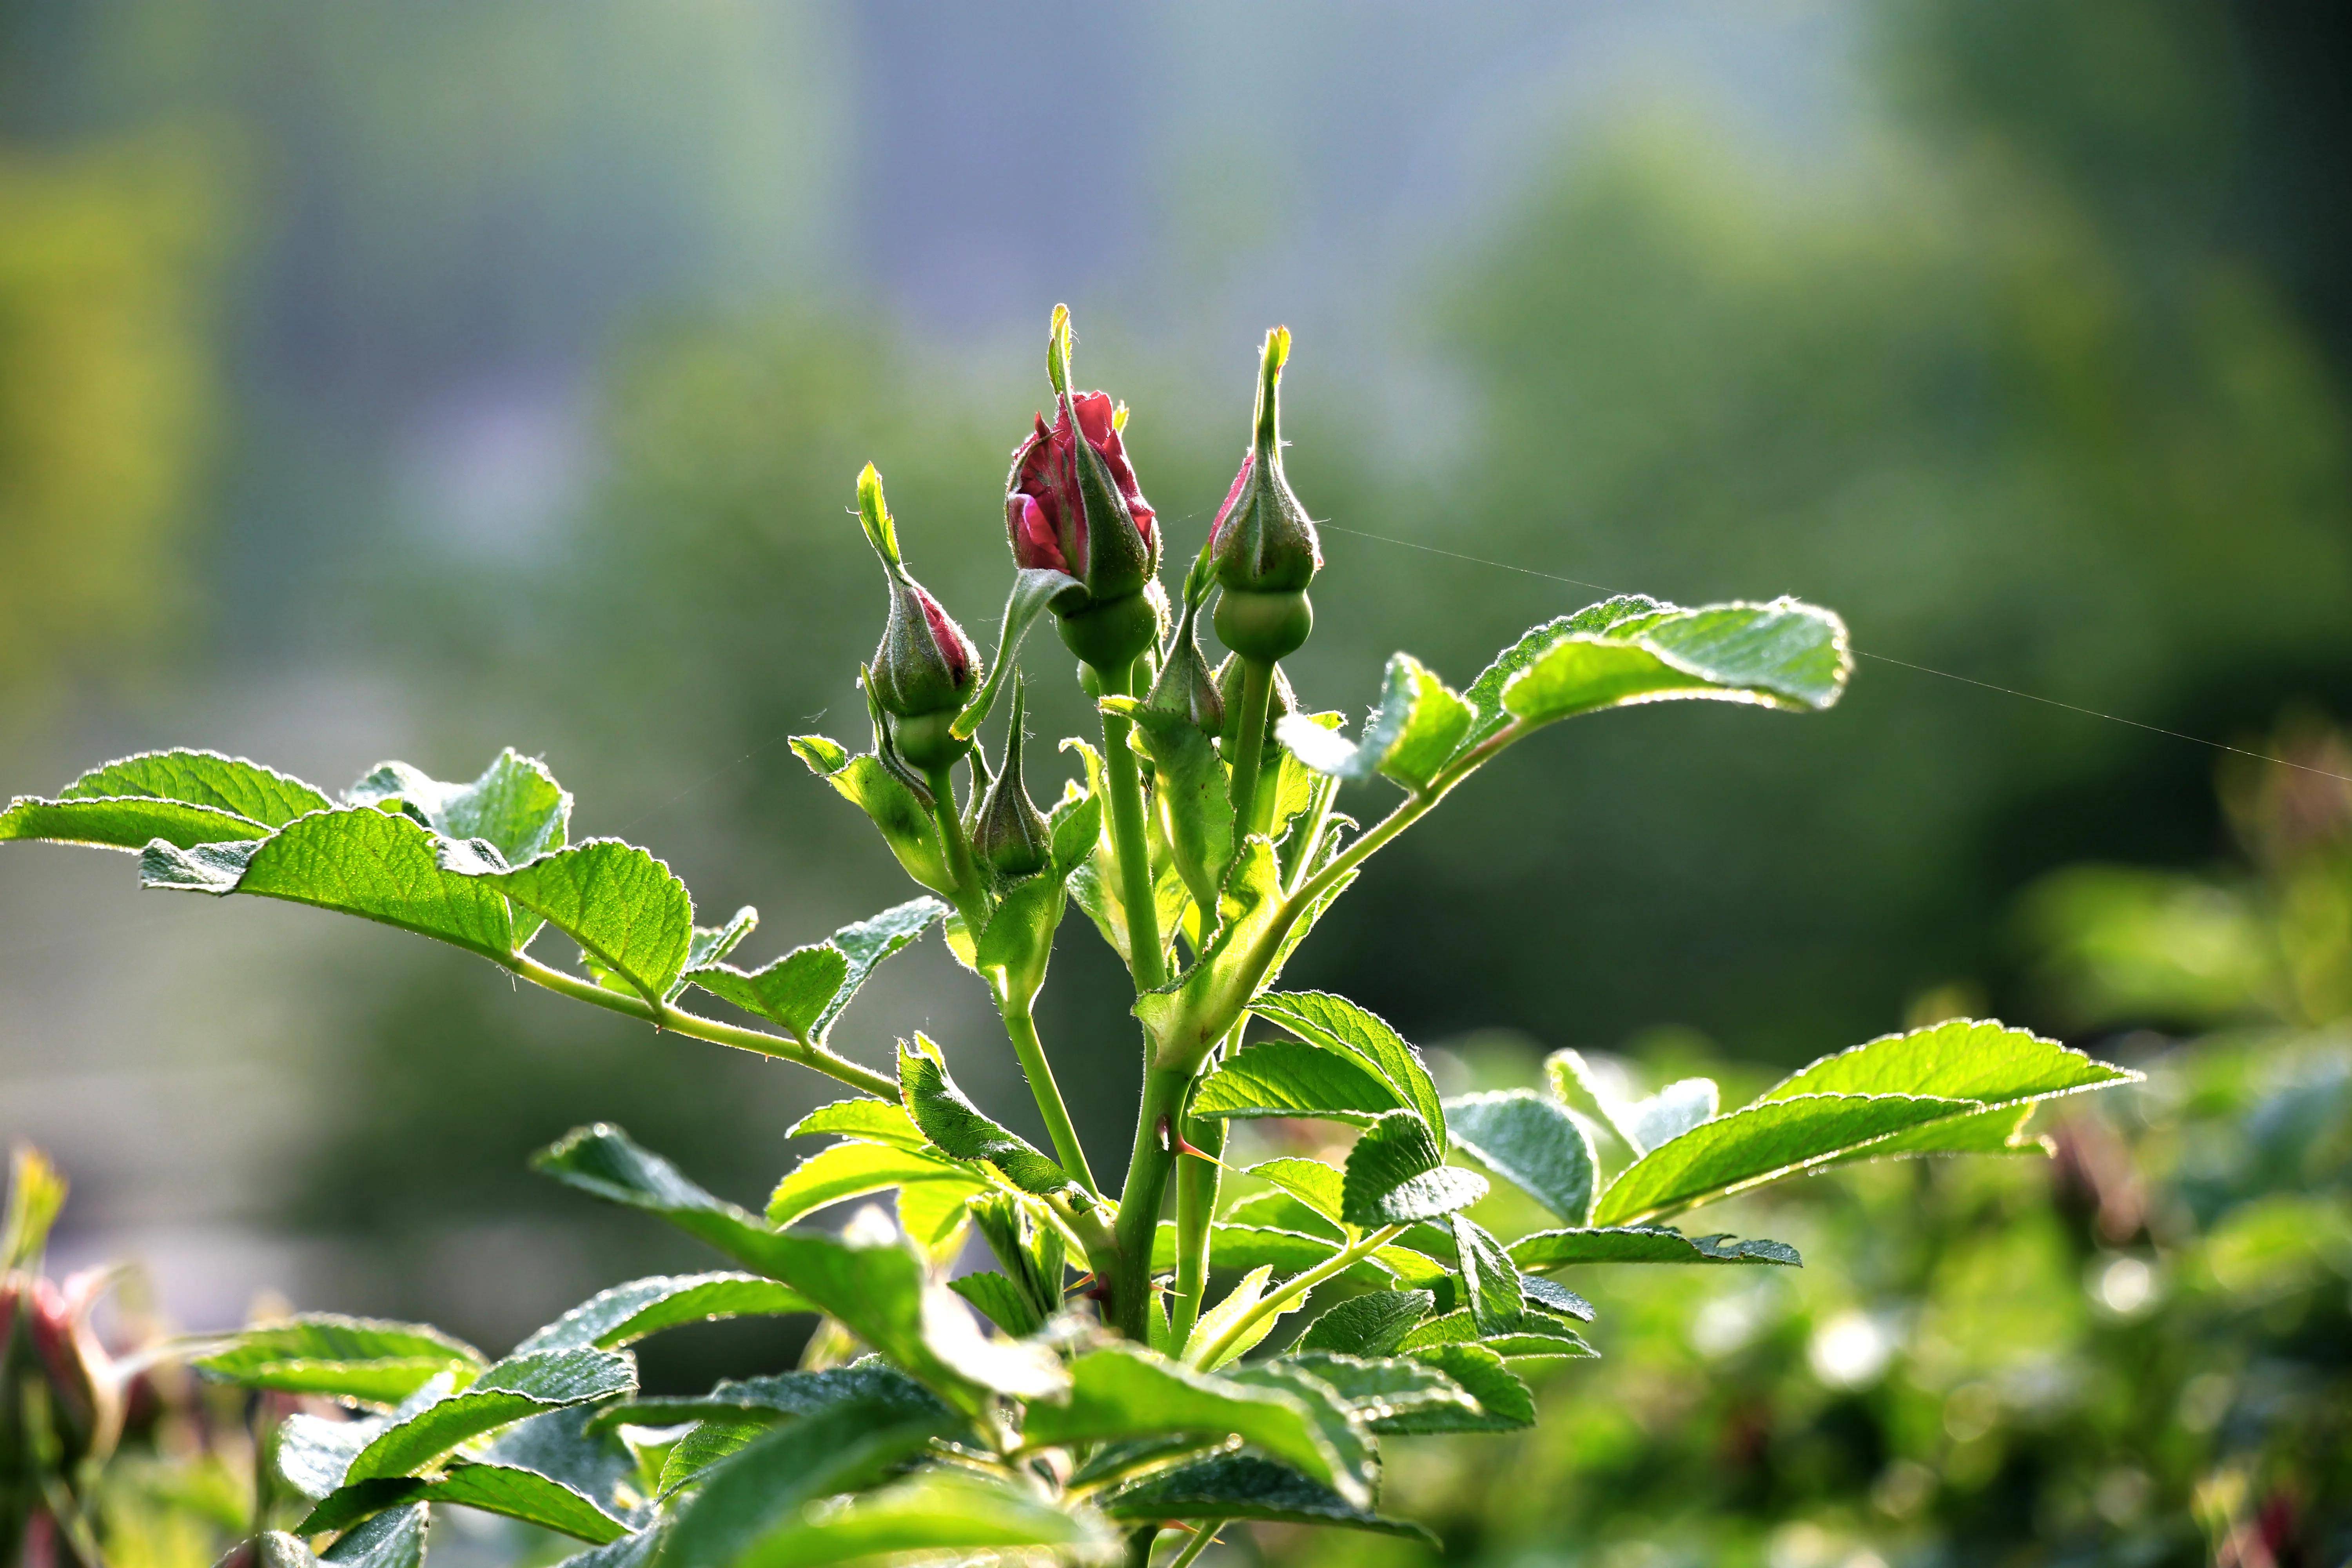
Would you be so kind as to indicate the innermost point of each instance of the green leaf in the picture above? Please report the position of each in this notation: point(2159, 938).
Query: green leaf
point(1395, 1176)
point(1358, 1456)
point(876, 1120)
point(1531, 1142)
point(1368, 1325)
point(1497, 1305)
point(358, 860)
point(1505, 1404)
point(906, 823)
point(852, 1169)
point(1779, 654)
point(1290, 1078)
point(1753, 1145)
point(1248, 1247)
point(1120, 1391)
point(807, 988)
point(515, 1388)
point(361, 1359)
point(704, 1444)
point(1191, 791)
point(395, 1539)
point(627, 1313)
point(1642, 1244)
point(936, 1513)
point(765, 1400)
point(848, 1448)
point(1382, 1388)
point(557, 1445)
point(1664, 1116)
point(621, 905)
point(1311, 1182)
point(956, 1125)
point(1000, 1301)
point(505, 1490)
point(1409, 737)
point(1237, 1304)
point(877, 1287)
point(1243, 1486)
point(1280, 1211)
point(312, 1453)
point(516, 806)
point(1338, 1024)
point(122, 823)
point(207, 779)
point(1964, 1058)
point(1485, 693)
point(602, 1162)
point(1538, 1333)
point(1076, 826)
point(1546, 1296)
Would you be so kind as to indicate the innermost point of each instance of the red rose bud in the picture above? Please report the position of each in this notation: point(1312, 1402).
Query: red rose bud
point(1011, 833)
point(925, 668)
point(1072, 504)
point(1263, 541)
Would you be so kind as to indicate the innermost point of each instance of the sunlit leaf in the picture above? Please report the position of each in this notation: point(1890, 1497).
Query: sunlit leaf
point(617, 901)
point(1368, 1325)
point(1395, 1175)
point(1642, 1244)
point(1340, 1026)
point(627, 1313)
point(1244, 1486)
point(1530, 1141)
point(1289, 1077)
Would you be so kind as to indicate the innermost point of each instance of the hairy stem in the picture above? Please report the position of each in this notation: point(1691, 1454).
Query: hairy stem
point(970, 897)
point(1198, 1182)
point(813, 1056)
point(1249, 746)
point(1020, 1025)
point(1137, 1225)
point(1128, 835)
point(1214, 1352)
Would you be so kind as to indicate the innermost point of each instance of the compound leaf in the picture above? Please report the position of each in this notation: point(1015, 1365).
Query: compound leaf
point(515, 806)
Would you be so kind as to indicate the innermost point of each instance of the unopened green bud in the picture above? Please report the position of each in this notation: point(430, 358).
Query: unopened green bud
point(925, 668)
point(1263, 543)
point(1010, 834)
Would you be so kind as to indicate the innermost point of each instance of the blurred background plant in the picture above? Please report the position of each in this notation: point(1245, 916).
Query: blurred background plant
point(371, 378)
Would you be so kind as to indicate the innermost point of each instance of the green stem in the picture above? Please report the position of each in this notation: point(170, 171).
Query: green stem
point(1021, 1025)
point(814, 1057)
point(1204, 1537)
point(1198, 1182)
point(1132, 840)
point(970, 897)
point(1215, 1351)
point(1138, 1546)
point(1138, 1225)
point(1249, 745)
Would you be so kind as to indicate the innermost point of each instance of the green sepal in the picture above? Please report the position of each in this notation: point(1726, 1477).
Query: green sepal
point(899, 810)
point(1034, 589)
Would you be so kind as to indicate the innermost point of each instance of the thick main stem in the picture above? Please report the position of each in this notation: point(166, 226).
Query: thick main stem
point(1138, 1225)
point(681, 1022)
point(1249, 744)
point(1132, 839)
point(1198, 1182)
point(1020, 1025)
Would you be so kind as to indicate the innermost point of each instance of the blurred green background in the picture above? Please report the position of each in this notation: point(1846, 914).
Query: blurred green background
point(408, 381)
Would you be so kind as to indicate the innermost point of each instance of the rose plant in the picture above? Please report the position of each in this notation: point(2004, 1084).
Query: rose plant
point(1100, 1397)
